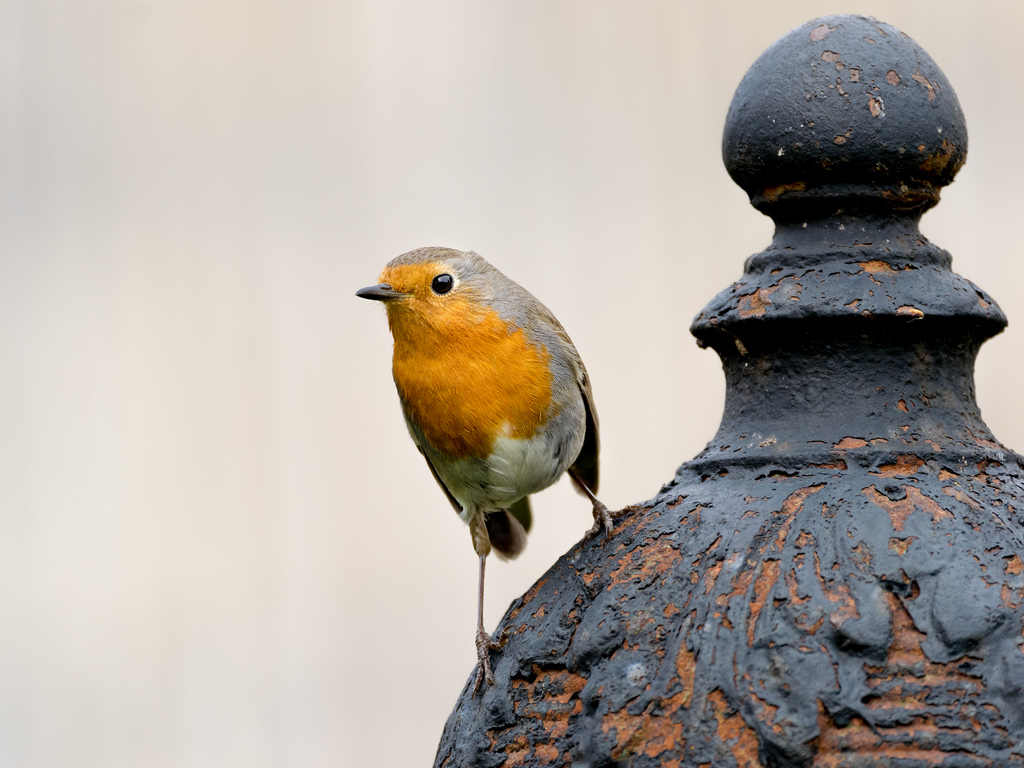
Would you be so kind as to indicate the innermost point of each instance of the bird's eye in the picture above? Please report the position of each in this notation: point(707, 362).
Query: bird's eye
point(442, 283)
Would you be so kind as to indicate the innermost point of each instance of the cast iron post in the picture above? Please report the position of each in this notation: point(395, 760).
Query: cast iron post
point(837, 579)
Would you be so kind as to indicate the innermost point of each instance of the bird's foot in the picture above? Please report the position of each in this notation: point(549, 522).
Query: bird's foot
point(604, 519)
point(484, 645)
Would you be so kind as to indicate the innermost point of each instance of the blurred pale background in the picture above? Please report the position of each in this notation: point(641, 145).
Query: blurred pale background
point(219, 546)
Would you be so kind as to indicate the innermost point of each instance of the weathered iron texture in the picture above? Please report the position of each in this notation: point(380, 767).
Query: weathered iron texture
point(837, 579)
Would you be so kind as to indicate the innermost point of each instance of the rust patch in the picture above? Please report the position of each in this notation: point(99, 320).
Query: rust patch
point(904, 465)
point(762, 587)
point(756, 304)
point(534, 590)
point(820, 32)
point(899, 510)
point(837, 464)
point(850, 442)
point(902, 405)
point(653, 558)
point(711, 576)
point(875, 106)
point(937, 162)
point(645, 735)
point(892, 77)
point(1014, 566)
point(917, 77)
point(900, 546)
point(552, 698)
point(959, 495)
point(830, 56)
point(908, 311)
point(772, 194)
point(686, 669)
point(874, 266)
point(738, 737)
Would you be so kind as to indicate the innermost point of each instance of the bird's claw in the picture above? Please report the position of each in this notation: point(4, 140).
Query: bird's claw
point(484, 645)
point(604, 520)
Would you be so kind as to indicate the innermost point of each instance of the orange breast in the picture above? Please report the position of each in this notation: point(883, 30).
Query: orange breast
point(465, 379)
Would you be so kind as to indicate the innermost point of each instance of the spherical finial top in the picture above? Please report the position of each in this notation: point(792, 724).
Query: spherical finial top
point(844, 110)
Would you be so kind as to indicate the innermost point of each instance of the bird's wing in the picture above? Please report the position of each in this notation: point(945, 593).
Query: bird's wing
point(455, 504)
point(586, 465)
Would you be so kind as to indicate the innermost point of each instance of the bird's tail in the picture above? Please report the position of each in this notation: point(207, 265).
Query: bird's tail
point(506, 532)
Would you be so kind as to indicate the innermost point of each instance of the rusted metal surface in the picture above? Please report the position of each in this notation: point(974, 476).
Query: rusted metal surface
point(838, 578)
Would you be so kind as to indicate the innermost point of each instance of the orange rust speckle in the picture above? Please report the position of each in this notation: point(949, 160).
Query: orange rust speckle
point(854, 74)
point(850, 442)
point(756, 304)
point(1012, 598)
point(765, 712)
point(892, 78)
point(904, 465)
point(901, 546)
point(772, 194)
point(820, 32)
point(558, 708)
point(853, 304)
point(734, 731)
point(839, 140)
point(653, 558)
point(670, 611)
point(645, 735)
point(686, 668)
point(1014, 566)
point(791, 584)
point(532, 593)
point(740, 583)
point(804, 538)
point(937, 162)
point(945, 474)
point(547, 753)
point(830, 56)
point(711, 575)
point(874, 106)
point(917, 77)
point(762, 587)
point(959, 495)
point(908, 311)
point(985, 441)
point(900, 510)
point(902, 405)
point(837, 464)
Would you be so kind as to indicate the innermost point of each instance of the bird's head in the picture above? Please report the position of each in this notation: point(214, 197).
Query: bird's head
point(433, 289)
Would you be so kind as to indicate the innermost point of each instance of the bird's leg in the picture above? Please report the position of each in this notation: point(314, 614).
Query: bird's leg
point(484, 643)
point(604, 519)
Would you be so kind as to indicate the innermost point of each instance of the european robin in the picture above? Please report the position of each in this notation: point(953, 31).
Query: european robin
point(495, 396)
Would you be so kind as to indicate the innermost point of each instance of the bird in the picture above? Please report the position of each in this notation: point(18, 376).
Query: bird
point(495, 397)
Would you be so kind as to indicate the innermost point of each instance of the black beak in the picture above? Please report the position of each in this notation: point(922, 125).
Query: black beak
point(381, 292)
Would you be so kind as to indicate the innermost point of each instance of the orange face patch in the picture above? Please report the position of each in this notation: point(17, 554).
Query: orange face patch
point(464, 377)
